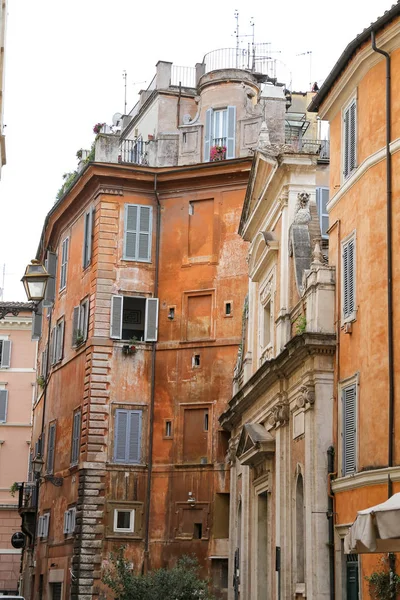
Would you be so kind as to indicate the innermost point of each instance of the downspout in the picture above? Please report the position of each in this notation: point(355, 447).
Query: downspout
point(389, 262)
point(330, 516)
point(146, 561)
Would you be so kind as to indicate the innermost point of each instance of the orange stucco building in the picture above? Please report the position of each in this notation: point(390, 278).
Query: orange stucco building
point(363, 245)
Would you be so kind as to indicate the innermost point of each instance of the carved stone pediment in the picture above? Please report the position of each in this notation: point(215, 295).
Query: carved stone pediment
point(255, 444)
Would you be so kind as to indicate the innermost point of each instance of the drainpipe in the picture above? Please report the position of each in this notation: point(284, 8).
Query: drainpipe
point(389, 261)
point(330, 516)
point(146, 561)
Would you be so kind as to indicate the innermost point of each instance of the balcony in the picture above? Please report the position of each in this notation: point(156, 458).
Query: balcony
point(133, 151)
point(27, 498)
point(309, 146)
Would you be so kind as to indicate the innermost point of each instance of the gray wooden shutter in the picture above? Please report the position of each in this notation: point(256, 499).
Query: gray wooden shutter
point(64, 263)
point(130, 234)
point(144, 240)
point(352, 137)
point(46, 522)
point(230, 143)
point(208, 135)
point(59, 340)
point(349, 398)
point(52, 346)
point(121, 435)
point(44, 363)
point(66, 521)
point(346, 144)
point(88, 235)
point(348, 278)
point(5, 361)
point(51, 267)
point(3, 405)
point(75, 324)
point(50, 449)
point(151, 320)
point(117, 303)
point(135, 418)
point(76, 435)
point(37, 322)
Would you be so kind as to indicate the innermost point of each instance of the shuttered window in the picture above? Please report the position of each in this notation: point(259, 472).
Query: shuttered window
point(51, 448)
point(137, 234)
point(151, 320)
point(51, 267)
point(80, 322)
point(37, 322)
point(5, 354)
point(76, 437)
point(69, 520)
point(349, 400)
point(59, 340)
point(350, 139)
point(3, 405)
point(122, 309)
point(349, 278)
point(322, 198)
point(220, 130)
point(43, 525)
point(43, 370)
point(88, 238)
point(64, 263)
point(127, 436)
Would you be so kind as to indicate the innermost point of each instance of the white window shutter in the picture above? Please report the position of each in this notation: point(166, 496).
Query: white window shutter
point(230, 143)
point(72, 512)
point(117, 304)
point(131, 231)
point(46, 520)
point(5, 354)
point(208, 135)
point(151, 320)
point(135, 425)
point(144, 240)
point(37, 322)
point(120, 436)
point(349, 398)
point(3, 405)
point(51, 267)
point(66, 520)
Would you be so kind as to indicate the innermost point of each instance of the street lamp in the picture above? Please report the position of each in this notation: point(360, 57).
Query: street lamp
point(37, 465)
point(35, 281)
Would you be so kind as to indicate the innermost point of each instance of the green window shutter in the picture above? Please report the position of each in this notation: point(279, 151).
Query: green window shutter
point(117, 304)
point(230, 143)
point(151, 320)
point(131, 231)
point(51, 267)
point(121, 436)
point(5, 359)
point(349, 400)
point(135, 426)
point(144, 234)
point(3, 405)
point(208, 135)
point(51, 448)
point(37, 323)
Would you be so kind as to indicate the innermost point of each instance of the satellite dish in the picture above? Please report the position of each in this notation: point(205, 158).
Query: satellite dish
point(116, 120)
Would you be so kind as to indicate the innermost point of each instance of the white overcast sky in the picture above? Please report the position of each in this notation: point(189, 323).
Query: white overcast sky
point(64, 64)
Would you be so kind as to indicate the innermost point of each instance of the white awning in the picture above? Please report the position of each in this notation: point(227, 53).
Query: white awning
point(376, 529)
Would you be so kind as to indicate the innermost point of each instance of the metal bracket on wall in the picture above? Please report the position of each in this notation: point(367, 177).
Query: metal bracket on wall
point(57, 481)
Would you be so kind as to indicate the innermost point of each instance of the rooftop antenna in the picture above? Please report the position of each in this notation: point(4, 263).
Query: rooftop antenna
point(237, 37)
point(308, 52)
point(253, 45)
point(124, 77)
point(2, 284)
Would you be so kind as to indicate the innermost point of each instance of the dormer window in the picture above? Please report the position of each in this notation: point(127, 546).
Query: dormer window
point(220, 130)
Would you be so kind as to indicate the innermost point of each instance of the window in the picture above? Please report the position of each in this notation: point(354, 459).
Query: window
point(267, 324)
point(57, 342)
point(69, 520)
point(64, 263)
point(76, 437)
point(134, 317)
point(349, 139)
point(43, 525)
point(349, 433)
point(127, 436)
point(322, 198)
point(168, 429)
point(43, 370)
point(37, 317)
point(3, 405)
point(220, 129)
point(56, 591)
point(51, 448)
point(124, 520)
point(5, 353)
point(349, 278)
point(88, 238)
point(137, 233)
point(80, 323)
point(51, 267)
point(228, 309)
point(196, 360)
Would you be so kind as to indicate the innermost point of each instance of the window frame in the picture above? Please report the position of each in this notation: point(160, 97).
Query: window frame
point(125, 460)
point(318, 197)
point(350, 316)
point(137, 231)
point(5, 391)
point(64, 263)
point(131, 528)
point(9, 342)
point(346, 142)
point(349, 382)
point(74, 460)
point(88, 237)
point(43, 525)
point(148, 303)
point(69, 521)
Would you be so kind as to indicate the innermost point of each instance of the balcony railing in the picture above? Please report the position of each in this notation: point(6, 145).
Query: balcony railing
point(27, 498)
point(133, 151)
point(309, 146)
point(219, 141)
point(256, 58)
point(186, 76)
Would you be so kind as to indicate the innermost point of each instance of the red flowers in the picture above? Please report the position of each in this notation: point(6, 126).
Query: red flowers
point(217, 153)
point(98, 127)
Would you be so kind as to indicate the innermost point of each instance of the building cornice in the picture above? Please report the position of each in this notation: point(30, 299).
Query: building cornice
point(287, 362)
point(365, 478)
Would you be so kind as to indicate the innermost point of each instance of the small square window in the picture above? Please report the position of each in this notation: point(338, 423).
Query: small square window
point(168, 429)
point(206, 420)
point(228, 309)
point(196, 360)
point(124, 520)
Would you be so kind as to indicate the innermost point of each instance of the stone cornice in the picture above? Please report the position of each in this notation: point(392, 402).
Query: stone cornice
point(287, 362)
point(365, 478)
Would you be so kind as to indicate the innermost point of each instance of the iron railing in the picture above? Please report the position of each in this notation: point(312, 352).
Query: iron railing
point(310, 146)
point(27, 498)
point(219, 141)
point(256, 58)
point(186, 76)
point(133, 151)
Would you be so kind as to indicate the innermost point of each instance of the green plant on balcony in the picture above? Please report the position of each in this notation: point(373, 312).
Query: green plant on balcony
point(14, 488)
point(41, 381)
point(383, 584)
point(300, 324)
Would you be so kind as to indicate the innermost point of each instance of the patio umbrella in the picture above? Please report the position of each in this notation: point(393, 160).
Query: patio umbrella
point(376, 529)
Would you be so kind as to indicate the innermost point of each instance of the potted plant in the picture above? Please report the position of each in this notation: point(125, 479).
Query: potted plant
point(98, 127)
point(41, 381)
point(382, 583)
point(130, 348)
point(217, 153)
point(79, 154)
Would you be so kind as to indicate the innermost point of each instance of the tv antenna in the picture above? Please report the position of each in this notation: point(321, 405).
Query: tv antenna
point(308, 53)
point(124, 77)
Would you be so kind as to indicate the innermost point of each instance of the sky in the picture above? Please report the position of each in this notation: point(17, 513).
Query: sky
point(63, 74)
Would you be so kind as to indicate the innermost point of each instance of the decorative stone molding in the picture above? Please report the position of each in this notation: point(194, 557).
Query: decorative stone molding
point(318, 257)
point(306, 399)
point(303, 215)
point(280, 414)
